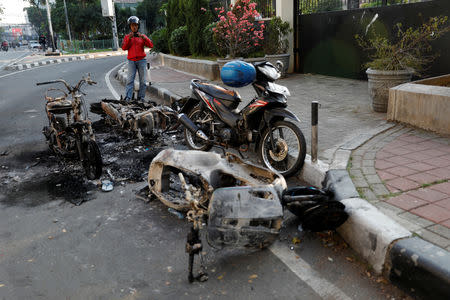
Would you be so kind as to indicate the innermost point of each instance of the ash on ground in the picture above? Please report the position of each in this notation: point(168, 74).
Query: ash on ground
point(32, 178)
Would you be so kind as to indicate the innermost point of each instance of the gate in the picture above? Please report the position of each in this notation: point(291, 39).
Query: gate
point(324, 41)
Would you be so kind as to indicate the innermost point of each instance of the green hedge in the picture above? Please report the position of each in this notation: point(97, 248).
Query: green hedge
point(160, 39)
point(178, 41)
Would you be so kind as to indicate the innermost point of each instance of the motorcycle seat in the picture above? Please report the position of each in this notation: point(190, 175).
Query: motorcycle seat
point(59, 107)
point(219, 92)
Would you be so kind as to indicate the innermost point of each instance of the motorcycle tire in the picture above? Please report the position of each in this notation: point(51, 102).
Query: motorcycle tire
point(274, 159)
point(192, 141)
point(92, 162)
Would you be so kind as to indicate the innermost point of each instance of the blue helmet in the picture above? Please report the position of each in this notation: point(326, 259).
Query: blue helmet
point(237, 73)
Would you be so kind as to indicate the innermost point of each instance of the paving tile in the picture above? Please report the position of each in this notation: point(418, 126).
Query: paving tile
point(442, 187)
point(441, 173)
point(417, 156)
point(438, 162)
point(421, 166)
point(445, 203)
point(422, 146)
point(423, 178)
point(369, 194)
point(383, 155)
point(368, 163)
point(379, 189)
point(432, 212)
point(385, 175)
point(428, 194)
point(382, 164)
point(369, 170)
point(369, 155)
point(360, 182)
point(355, 172)
point(433, 238)
point(400, 160)
point(396, 143)
point(433, 153)
point(398, 150)
point(403, 184)
point(373, 179)
point(446, 223)
point(401, 171)
point(441, 230)
point(392, 189)
point(411, 138)
point(406, 202)
point(389, 209)
point(416, 219)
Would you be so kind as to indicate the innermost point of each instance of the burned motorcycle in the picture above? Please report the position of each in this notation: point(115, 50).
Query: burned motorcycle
point(265, 121)
point(240, 205)
point(69, 133)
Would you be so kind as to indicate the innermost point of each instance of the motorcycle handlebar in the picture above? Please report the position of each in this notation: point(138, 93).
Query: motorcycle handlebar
point(47, 82)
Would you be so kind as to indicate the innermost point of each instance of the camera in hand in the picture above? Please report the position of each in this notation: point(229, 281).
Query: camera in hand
point(136, 34)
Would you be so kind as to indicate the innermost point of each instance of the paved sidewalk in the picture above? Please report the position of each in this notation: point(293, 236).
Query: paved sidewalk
point(405, 173)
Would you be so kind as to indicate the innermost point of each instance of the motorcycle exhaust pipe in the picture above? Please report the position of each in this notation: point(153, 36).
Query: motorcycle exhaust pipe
point(192, 127)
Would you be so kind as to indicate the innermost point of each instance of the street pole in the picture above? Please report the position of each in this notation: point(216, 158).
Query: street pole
point(68, 25)
point(50, 28)
point(114, 30)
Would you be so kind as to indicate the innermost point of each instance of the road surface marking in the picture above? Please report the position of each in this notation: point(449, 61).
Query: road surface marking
point(305, 272)
point(108, 82)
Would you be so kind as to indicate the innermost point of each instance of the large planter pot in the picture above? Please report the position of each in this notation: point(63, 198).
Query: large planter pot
point(381, 81)
point(284, 58)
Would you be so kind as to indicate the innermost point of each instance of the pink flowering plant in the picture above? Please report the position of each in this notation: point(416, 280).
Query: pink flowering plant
point(237, 29)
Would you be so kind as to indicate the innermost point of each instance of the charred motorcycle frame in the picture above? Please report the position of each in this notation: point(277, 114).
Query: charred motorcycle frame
point(69, 133)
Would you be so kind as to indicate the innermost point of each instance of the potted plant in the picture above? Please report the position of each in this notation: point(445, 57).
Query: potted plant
point(276, 42)
point(394, 62)
point(237, 32)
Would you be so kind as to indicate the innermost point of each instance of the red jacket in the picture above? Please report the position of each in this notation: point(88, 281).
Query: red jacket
point(135, 46)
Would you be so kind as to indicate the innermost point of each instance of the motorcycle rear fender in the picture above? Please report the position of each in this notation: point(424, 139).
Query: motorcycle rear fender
point(189, 105)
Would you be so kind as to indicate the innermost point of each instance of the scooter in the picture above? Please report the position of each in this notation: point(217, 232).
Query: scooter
point(69, 134)
point(265, 121)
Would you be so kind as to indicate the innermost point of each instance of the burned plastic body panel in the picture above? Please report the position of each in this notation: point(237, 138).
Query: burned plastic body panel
point(206, 171)
point(244, 217)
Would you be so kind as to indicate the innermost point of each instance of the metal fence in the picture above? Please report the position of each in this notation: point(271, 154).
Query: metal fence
point(267, 8)
point(316, 6)
point(85, 46)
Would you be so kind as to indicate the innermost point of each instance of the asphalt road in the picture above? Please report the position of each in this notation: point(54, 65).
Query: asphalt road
point(116, 246)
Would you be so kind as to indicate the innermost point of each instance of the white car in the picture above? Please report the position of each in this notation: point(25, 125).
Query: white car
point(34, 45)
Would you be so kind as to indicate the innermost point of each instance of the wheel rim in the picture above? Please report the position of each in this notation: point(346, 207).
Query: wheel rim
point(202, 119)
point(287, 149)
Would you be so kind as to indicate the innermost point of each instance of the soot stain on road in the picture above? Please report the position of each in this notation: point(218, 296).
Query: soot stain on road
point(35, 178)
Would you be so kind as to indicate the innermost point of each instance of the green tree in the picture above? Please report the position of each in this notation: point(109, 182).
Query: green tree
point(148, 10)
point(175, 15)
point(198, 16)
point(37, 16)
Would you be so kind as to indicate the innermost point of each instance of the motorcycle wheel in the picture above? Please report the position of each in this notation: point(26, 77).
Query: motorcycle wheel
point(203, 120)
point(92, 162)
point(290, 148)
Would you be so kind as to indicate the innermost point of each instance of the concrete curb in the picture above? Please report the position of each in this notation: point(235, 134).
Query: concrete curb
point(381, 241)
point(19, 67)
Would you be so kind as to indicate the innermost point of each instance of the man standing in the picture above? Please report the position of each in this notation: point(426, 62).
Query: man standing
point(134, 42)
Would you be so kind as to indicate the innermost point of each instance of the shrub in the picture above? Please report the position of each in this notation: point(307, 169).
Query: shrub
point(175, 15)
point(410, 49)
point(160, 39)
point(178, 41)
point(237, 31)
point(209, 43)
point(197, 18)
point(276, 41)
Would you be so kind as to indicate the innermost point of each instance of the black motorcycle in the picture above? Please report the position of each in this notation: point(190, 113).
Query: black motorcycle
point(265, 121)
